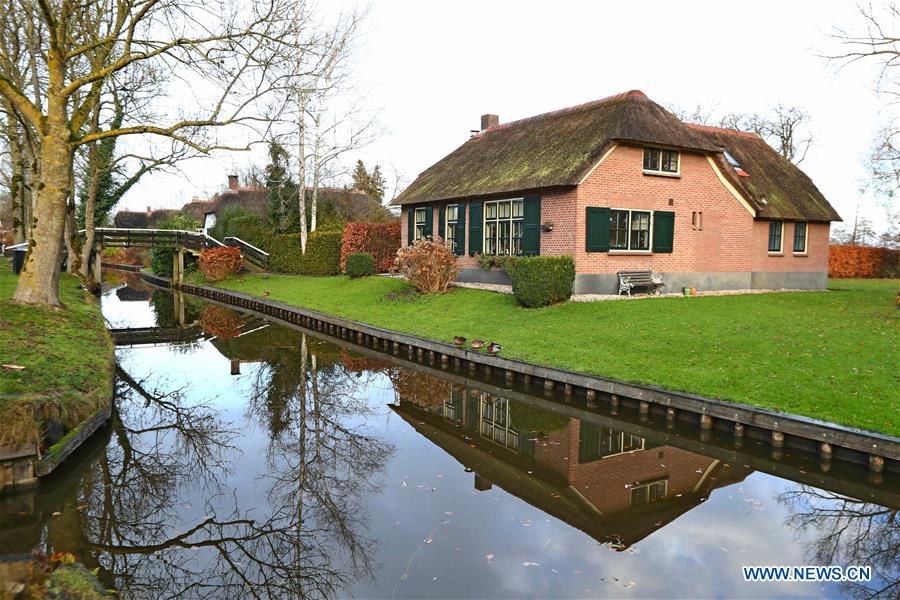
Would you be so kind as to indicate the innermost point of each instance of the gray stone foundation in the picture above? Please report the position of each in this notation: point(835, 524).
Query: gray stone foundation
point(608, 283)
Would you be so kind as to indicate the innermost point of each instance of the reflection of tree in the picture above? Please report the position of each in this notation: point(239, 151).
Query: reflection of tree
point(846, 531)
point(163, 304)
point(321, 468)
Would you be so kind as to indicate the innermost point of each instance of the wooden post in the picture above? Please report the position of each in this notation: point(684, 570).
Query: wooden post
point(777, 439)
point(706, 422)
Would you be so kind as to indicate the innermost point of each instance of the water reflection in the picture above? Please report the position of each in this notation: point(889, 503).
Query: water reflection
point(247, 459)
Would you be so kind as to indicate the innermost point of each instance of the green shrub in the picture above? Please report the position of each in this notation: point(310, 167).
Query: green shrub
point(360, 264)
point(161, 259)
point(489, 262)
point(225, 221)
point(323, 253)
point(542, 280)
point(250, 229)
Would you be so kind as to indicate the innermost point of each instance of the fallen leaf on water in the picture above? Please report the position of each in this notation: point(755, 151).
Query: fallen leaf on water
point(528, 563)
point(526, 523)
point(448, 512)
point(434, 578)
point(403, 483)
point(429, 540)
point(13, 367)
point(57, 513)
point(489, 556)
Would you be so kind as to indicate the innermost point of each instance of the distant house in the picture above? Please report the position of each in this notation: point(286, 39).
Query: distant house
point(622, 184)
point(149, 219)
point(349, 204)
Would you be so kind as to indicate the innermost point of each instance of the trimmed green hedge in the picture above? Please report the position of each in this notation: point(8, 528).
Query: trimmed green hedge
point(250, 229)
point(542, 280)
point(360, 264)
point(323, 253)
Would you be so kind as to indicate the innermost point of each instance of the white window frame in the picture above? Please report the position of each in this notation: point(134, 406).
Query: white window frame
point(805, 238)
point(660, 171)
point(647, 486)
point(417, 225)
point(511, 219)
point(780, 250)
point(451, 240)
point(628, 250)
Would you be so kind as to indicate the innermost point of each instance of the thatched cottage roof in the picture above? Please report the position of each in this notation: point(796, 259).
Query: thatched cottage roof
point(557, 149)
point(774, 186)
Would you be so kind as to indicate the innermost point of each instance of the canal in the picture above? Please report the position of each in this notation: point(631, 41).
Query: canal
point(248, 459)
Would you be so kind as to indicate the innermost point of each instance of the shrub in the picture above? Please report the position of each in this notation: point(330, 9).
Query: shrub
point(542, 280)
point(381, 240)
point(250, 229)
point(217, 264)
point(323, 253)
point(490, 262)
point(161, 259)
point(360, 264)
point(225, 219)
point(429, 265)
point(863, 261)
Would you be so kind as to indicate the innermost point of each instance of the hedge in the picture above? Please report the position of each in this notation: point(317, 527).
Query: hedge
point(863, 261)
point(542, 280)
point(250, 229)
point(323, 253)
point(381, 240)
point(360, 264)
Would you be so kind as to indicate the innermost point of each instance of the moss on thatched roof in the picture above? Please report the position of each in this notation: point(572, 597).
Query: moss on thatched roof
point(549, 150)
point(774, 186)
point(557, 149)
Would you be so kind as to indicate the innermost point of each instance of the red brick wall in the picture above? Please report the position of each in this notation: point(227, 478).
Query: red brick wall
point(815, 259)
point(618, 182)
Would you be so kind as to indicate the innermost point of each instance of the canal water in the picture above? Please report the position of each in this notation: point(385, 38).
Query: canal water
point(249, 459)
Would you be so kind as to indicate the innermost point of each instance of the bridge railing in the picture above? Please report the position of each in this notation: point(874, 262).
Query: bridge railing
point(159, 238)
point(250, 252)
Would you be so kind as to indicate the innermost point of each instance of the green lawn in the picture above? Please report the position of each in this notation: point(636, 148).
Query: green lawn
point(829, 355)
point(67, 355)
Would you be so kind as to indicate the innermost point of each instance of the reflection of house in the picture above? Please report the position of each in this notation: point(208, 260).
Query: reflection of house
point(617, 487)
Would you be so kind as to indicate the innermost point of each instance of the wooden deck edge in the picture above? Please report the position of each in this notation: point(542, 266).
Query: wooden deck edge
point(877, 445)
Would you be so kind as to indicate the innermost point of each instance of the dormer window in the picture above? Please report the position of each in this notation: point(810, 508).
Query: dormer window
point(659, 161)
point(731, 160)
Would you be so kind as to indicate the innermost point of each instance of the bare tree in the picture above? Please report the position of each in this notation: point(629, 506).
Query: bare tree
point(230, 56)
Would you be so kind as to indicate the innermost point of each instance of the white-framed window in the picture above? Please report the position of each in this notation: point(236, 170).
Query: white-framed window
point(800, 228)
point(495, 423)
point(648, 493)
point(629, 229)
point(661, 161)
point(420, 216)
point(776, 228)
point(504, 226)
point(451, 220)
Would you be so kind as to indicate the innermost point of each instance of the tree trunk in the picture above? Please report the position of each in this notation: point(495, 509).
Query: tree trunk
point(90, 201)
point(39, 280)
point(301, 166)
point(17, 177)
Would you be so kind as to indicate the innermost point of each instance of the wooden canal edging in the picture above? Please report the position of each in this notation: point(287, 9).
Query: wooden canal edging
point(778, 429)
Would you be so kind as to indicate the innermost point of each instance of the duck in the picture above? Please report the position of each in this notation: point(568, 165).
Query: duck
point(494, 348)
point(477, 344)
point(459, 340)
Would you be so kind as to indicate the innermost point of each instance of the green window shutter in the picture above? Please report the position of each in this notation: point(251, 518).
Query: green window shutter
point(442, 216)
point(597, 229)
point(531, 238)
point(461, 229)
point(429, 220)
point(663, 230)
point(476, 238)
point(410, 218)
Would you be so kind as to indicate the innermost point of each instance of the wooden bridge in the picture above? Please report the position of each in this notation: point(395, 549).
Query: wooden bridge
point(179, 240)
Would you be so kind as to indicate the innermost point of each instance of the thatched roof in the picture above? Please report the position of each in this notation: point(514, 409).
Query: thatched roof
point(774, 186)
point(549, 150)
point(557, 149)
point(130, 219)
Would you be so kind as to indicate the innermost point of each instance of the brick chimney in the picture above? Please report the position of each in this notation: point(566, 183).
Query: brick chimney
point(488, 121)
point(233, 182)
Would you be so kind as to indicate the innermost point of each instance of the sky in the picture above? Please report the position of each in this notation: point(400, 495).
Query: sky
point(431, 69)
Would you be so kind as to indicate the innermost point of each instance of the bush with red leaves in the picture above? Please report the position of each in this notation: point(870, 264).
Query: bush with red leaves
point(381, 240)
point(862, 261)
point(429, 265)
point(217, 264)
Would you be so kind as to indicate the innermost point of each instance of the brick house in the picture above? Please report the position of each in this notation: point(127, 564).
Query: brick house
point(615, 486)
point(622, 184)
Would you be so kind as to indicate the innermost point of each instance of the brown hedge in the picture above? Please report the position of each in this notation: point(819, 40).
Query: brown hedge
point(381, 240)
point(862, 261)
point(220, 263)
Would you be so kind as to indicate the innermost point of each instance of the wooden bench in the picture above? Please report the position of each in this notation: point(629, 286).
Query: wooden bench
point(632, 279)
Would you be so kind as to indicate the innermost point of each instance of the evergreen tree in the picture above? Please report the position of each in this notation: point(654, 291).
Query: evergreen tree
point(282, 191)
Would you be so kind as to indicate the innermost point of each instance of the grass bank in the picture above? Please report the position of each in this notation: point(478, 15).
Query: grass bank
point(829, 355)
point(68, 357)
